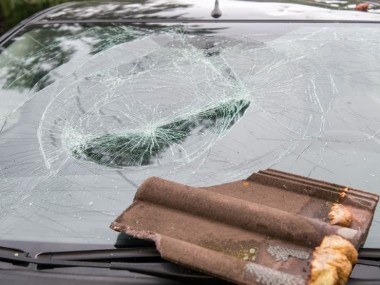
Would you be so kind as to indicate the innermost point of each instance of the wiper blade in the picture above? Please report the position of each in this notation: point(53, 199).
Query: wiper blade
point(12, 254)
point(366, 270)
point(137, 254)
point(369, 253)
point(139, 260)
point(369, 256)
point(144, 260)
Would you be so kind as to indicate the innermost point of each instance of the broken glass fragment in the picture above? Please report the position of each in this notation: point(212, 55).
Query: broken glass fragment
point(139, 148)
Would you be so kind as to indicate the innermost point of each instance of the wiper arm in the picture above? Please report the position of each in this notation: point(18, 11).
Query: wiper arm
point(369, 253)
point(144, 260)
point(135, 254)
point(139, 260)
point(365, 275)
point(12, 254)
point(369, 256)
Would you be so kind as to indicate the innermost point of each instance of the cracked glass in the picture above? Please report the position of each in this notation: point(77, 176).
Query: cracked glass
point(88, 112)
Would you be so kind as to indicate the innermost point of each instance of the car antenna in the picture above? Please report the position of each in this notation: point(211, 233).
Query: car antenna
point(216, 13)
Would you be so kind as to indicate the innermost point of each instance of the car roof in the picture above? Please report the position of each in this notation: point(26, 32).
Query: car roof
point(135, 11)
point(201, 10)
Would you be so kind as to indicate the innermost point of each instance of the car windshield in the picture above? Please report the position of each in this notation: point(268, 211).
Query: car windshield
point(87, 112)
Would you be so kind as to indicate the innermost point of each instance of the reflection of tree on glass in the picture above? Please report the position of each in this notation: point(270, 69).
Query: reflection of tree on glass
point(132, 9)
point(14, 11)
point(47, 50)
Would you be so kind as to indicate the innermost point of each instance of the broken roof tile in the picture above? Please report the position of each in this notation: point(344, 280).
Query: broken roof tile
point(254, 231)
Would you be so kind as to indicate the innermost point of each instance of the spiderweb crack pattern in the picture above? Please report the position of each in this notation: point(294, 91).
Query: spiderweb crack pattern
point(172, 97)
point(128, 103)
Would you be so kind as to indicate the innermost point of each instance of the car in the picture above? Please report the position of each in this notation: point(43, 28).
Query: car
point(96, 97)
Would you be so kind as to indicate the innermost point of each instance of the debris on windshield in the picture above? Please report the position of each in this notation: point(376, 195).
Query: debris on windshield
point(362, 7)
point(266, 229)
point(339, 215)
point(332, 261)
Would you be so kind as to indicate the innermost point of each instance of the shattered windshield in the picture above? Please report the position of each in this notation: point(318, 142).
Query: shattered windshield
point(88, 112)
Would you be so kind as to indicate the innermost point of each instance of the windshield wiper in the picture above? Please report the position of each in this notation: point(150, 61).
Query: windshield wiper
point(144, 260)
point(369, 256)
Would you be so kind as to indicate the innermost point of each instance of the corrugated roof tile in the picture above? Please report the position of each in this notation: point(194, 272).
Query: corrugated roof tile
point(261, 230)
